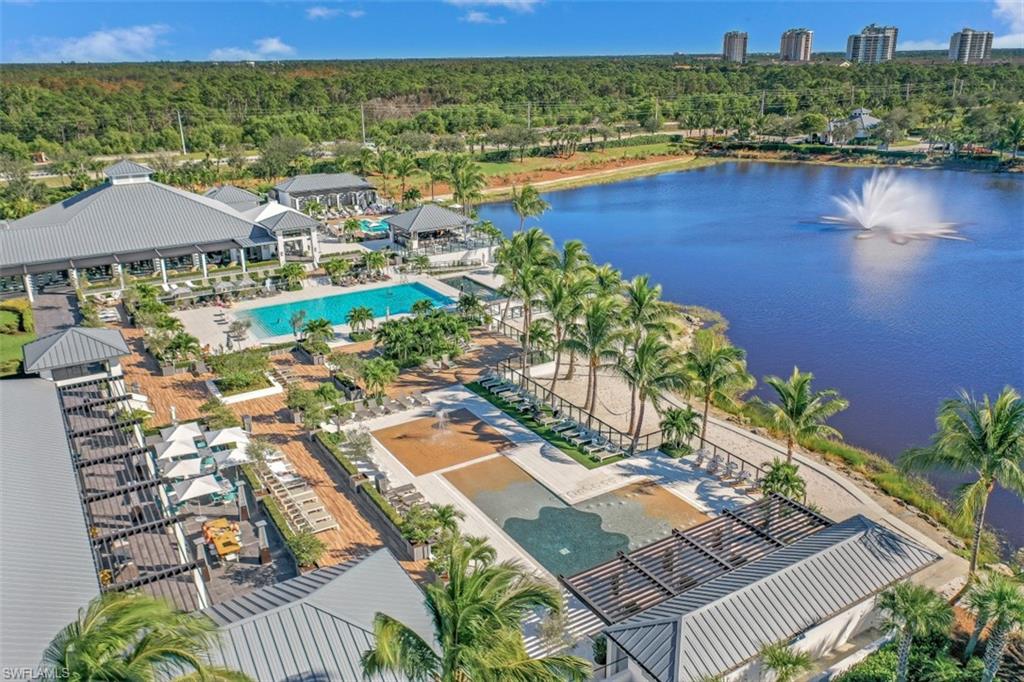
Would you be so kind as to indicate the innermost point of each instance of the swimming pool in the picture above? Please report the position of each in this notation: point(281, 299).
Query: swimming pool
point(568, 539)
point(274, 320)
point(374, 228)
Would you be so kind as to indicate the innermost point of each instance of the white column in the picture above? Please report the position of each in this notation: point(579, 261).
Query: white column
point(73, 276)
point(119, 271)
point(241, 259)
point(27, 280)
point(280, 249)
point(163, 269)
point(314, 245)
point(202, 264)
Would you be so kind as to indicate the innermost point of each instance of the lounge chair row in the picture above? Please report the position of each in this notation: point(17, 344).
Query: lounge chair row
point(372, 408)
point(303, 508)
point(727, 470)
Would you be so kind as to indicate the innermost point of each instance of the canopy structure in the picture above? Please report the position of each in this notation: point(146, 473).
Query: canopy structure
point(187, 432)
point(176, 449)
point(232, 457)
point(196, 487)
point(227, 436)
point(428, 221)
point(184, 468)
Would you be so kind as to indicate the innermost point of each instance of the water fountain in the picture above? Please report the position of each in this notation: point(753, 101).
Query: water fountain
point(894, 206)
point(441, 422)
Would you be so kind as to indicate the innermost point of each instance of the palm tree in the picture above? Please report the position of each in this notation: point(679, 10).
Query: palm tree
point(913, 611)
point(318, 330)
point(801, 413)
point(651, 369)
point(529, 255)
point(679, 425)
point(336, 268)
point(467, 182)
point(435, 168)
point(404, 167)
point(375, 261)
point(989, 596)
point(359, 317)
point(297, 319)
point(292, 274)
point(784, 479)
point(384, 164)
point(420, 262)
point(644, 313)
point(424, 306)
point(130, 636)
point(786, 663)
point(1013, 135)
point(563, 298)
point(184, 346)
point(595, 338)
point(378, 374)
point(1007, 615)
point(477, 616)
point(607, 280)
point(542, 336)
point(983, 438)
point(470, 305)
point(718, 371)
point(527, 203)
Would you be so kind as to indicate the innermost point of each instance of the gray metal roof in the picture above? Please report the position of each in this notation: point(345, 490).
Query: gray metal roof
point(125, 218)
point(428, 218)
point(322, 182)
point(316, 626)
point(46, 566)
point(125, 169)
point(235, 197)
point(718, 626)
point(73, 347)
point(289, 220)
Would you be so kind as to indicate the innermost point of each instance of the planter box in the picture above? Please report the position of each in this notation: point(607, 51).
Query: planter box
point(313, 358)
point(171, 370)
point(294, 416)
point(273, 389)
point(349, 389)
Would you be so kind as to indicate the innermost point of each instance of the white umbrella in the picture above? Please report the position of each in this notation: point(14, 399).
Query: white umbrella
point(226, 437)
point(176, 449)
point(196, 487)
point(231, 457)
point(184, 432)
point(184, 468)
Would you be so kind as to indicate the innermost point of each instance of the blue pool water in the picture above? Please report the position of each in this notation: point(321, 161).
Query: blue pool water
point(367, 226)
point(273, 320)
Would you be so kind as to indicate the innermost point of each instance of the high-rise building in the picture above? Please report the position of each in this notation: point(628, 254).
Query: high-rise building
point(734, 47)
point(872, 45)
point(969, 46)
point(796, 45)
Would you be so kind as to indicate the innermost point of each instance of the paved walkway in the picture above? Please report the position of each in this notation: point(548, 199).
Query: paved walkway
point(54, 311)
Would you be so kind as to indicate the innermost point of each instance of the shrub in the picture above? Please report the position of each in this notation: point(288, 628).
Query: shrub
point(10, 322)
point(217, 415)
point(240, 371)
point(23, 309)
point(410, 341)
point(331, 443)
point(381, 503)
point(306, 547)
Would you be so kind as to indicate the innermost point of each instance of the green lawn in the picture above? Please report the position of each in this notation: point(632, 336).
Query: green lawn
point(541, 430)
point(10, 352)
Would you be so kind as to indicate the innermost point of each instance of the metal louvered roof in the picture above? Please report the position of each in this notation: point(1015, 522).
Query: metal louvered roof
point(317, 626)
point(73, 347)
point(716, 627)
point(428, 218)
point(125, 168)
point(322, 182)
point(46, 565)
point(119, 219)
point(235, 197)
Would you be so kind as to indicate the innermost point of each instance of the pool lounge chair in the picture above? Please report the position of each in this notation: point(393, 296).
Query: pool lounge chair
point(565, 426)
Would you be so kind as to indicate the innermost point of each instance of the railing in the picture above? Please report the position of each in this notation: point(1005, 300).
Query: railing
point(433, 247)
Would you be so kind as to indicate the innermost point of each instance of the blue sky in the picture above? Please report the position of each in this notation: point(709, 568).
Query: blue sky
point(73, 30)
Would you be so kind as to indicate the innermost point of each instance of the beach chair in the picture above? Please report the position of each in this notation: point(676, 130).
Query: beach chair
point(565, 426)
point(714, 464)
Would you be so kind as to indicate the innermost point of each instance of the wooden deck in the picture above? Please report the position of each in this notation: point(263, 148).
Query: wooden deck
point(355, 535)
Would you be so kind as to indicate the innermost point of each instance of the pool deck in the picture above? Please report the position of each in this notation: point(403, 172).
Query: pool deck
point(548, 465)
point(200, 322)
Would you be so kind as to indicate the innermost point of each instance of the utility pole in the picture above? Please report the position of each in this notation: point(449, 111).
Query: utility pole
point(529, 114)
point(181, 132)
point(362, 121)
point(762, 103)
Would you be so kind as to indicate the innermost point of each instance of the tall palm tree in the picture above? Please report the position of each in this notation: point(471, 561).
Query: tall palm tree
point(987, 597)
point(644, 313)
point(384, 164)
point(800, 412)
point(527, 203)
point(607, 280)
point(1013, 135)
point(477, 616)
point(913, 611)
point(467, 182)
point(529, 255)
point(679, 425)
point(336, 268)
point(318, 329)
point(651, 369)
point(982, 438)
point(359, 317)
point(403, 168)
point(718, 372)
point(596, 338)
point(786, 663)
point(436, 170)
point(563, 298)
point(130, 636)
point(1007, 615)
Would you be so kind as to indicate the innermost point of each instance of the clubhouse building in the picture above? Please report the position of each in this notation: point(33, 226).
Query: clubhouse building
point(133, 227)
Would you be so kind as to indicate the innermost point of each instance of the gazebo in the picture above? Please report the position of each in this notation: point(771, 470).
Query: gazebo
point(428, 222)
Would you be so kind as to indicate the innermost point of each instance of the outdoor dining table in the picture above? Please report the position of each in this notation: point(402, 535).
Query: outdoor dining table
point(226, 544)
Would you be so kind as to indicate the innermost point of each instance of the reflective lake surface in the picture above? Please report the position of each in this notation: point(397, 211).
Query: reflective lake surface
point(895, 328)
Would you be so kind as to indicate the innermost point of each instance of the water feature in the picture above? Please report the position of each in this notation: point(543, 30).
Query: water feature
point(441, 422)
point(895, 327)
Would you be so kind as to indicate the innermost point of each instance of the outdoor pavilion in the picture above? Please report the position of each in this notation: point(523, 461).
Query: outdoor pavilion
point(428, 223)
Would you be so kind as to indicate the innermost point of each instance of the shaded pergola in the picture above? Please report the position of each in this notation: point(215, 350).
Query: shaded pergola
point(634, 582)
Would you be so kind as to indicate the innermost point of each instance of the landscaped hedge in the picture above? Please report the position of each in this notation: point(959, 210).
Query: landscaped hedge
point(382, 504)
point(23, 309)
point(278, 518)
point(329, 441)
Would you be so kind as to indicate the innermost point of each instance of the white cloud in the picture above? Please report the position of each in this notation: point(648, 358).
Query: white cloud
point(477, 17)
point(265, 48)
point(318, 12)
point(1010, 12)
point(313, 13)
point(514, 5)
point(133, 43)
point(908, 45)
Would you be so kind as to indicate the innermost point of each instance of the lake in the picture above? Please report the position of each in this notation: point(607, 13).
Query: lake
point(895, 328)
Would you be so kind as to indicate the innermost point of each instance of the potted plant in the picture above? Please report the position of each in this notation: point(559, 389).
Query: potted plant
point(316, 334)
point(297, 401)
